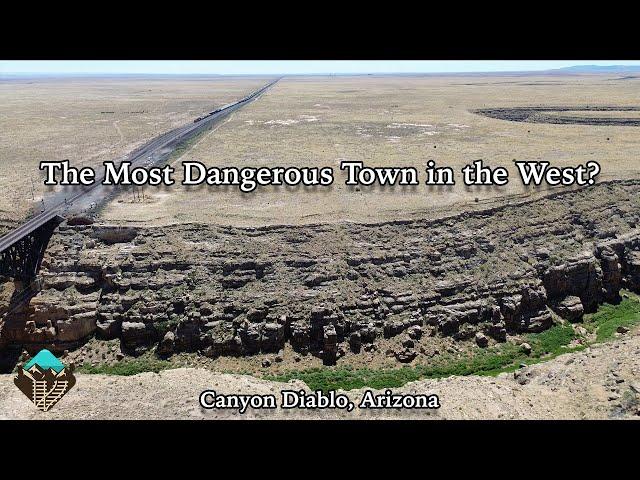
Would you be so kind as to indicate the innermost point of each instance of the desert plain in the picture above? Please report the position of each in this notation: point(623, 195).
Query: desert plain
point(391, 121)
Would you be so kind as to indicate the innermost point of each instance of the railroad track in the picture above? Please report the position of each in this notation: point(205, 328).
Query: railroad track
point(72, 201)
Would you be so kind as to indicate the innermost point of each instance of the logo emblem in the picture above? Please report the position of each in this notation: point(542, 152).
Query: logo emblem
point(44, 380)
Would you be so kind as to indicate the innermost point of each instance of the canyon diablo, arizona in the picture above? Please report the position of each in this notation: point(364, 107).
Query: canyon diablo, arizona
point(319, 236)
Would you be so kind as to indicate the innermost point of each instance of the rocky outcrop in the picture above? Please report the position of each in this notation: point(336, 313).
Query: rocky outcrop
point(526, 311)
point(581, 277)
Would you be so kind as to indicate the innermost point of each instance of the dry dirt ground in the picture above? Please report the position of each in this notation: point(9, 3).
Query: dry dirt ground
point(90, 120)
point(391, 121)
point(600, 382)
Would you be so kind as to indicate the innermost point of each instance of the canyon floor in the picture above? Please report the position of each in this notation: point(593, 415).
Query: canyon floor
point(601, 382)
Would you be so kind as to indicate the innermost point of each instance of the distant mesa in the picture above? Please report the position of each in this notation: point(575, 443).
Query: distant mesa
point(599, 69)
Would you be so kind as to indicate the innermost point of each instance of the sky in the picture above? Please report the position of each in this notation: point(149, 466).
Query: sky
point(276, 67)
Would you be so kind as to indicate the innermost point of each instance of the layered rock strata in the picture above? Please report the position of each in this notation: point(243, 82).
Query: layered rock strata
point(324, 288)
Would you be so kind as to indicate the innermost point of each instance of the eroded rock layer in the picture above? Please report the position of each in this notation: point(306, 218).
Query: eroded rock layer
point(324, 288)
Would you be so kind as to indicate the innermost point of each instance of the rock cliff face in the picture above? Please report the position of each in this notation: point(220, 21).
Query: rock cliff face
point(323, 288)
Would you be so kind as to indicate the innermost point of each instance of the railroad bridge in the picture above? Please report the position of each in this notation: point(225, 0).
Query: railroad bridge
point(22, 250)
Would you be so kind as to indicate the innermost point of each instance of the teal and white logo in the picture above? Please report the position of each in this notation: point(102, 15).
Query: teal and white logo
point(44, 380)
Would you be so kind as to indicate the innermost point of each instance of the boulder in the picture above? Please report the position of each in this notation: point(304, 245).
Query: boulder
point(415, 332)
point(481, 340)
point(136, 335)
point(448, 325)
point(257, 315)
point(537, 323)
point(108, 324)
point(406, 355)
point(167, 344)
point(570, 308)
point(408, 342)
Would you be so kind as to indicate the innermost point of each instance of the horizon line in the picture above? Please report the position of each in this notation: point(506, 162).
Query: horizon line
point(303, 74)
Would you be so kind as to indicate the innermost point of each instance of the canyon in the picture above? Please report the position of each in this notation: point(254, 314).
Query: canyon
point(326, 289)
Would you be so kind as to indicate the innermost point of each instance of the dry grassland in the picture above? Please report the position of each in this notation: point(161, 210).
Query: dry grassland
point(390, 121)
